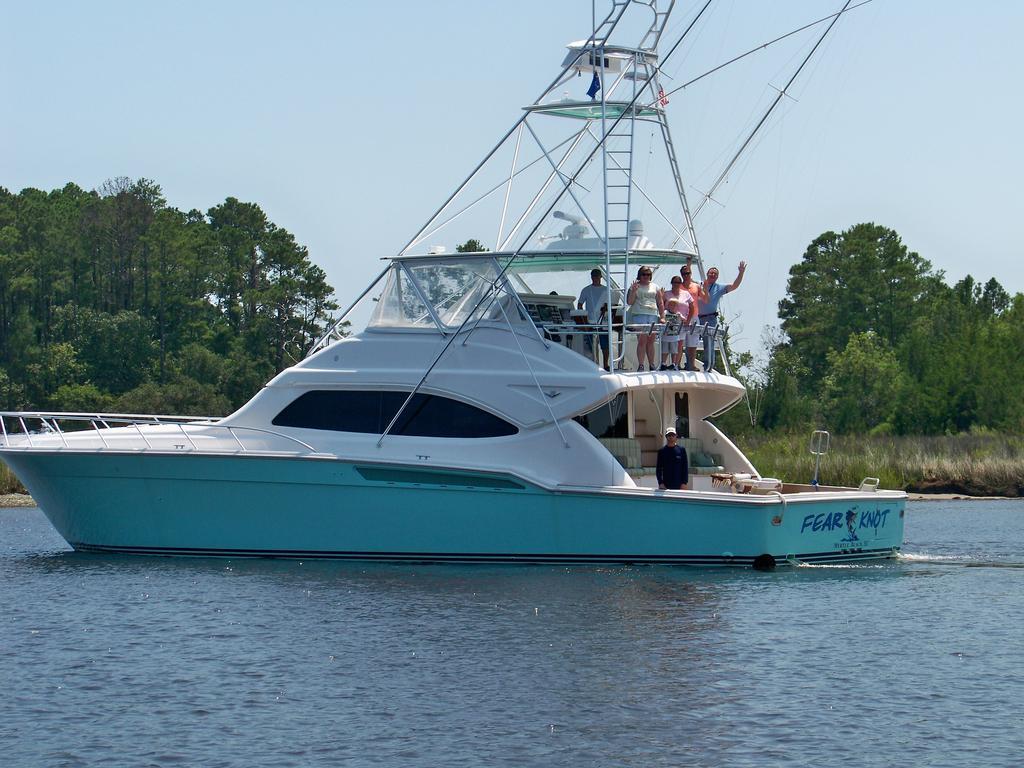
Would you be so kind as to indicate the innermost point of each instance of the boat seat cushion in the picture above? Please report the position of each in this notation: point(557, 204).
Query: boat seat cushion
point(626, 450)
point(702, 463)
point(701, 459)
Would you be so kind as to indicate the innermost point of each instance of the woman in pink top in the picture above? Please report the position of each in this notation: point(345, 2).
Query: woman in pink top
point(687, 307)
point(696, 291)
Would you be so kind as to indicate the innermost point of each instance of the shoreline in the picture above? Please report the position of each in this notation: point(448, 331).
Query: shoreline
point(957, 497)
point(16, 500)
point(11, 500)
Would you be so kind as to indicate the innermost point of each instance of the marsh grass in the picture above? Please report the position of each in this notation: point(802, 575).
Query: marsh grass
point(8, 482)
point(982, 464)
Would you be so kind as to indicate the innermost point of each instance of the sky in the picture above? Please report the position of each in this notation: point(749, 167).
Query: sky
point(350, 123)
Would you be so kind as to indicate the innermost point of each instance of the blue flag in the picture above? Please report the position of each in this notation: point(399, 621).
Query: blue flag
point(595, 86)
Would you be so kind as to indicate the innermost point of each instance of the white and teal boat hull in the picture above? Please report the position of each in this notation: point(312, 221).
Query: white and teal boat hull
point(304, 507)
point(497, 405)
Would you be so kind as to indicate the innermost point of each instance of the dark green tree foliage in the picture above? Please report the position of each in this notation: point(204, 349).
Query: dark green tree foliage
point(863, 279)
point(270, 293)
point(471, 246)
point(117, 349)
point(112, 299)
point(876, 341)
point(861, 391)
point(783, 404)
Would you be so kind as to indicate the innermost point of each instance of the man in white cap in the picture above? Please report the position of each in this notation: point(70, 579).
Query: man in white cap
point(673, 471)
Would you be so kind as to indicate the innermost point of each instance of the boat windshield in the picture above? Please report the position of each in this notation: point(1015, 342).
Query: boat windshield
point(445, 293)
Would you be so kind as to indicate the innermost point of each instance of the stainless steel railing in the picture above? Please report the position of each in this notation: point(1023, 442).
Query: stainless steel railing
point(561, 332)
point(34, 426)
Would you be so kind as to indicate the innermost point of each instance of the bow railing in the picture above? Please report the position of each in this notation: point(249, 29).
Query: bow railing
point(28, 430)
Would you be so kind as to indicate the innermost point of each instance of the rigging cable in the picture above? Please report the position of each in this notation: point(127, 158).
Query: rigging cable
point(754, 410)
point(761, 47)
point(768, 113)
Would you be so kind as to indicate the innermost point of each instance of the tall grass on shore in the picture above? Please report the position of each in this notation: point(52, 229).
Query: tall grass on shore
point(981, 464)
point(8, 482)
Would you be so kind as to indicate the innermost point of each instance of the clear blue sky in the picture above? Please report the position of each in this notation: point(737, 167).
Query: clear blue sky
point(348, 124)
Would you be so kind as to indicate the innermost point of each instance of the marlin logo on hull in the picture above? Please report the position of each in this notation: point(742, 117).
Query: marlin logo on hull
point(851, 524)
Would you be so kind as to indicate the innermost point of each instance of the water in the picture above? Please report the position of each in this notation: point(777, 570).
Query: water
point(153, 661)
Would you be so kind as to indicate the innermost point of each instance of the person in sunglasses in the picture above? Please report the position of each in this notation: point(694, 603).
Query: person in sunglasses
point(647, 306)
point(672, 470)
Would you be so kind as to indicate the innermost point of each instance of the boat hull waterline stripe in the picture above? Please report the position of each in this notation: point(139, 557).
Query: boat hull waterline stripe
point(481, 557)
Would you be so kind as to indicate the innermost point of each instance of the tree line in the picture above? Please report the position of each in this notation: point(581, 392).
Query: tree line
point(112, 300)
point(874, 340)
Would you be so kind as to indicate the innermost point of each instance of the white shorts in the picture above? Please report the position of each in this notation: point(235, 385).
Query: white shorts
point(692, 338)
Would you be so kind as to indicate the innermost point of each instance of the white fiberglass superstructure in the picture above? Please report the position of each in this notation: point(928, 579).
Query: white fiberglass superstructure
point(471, 419)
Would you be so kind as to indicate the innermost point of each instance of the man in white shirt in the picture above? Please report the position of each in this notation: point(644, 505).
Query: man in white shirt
point(594, 299)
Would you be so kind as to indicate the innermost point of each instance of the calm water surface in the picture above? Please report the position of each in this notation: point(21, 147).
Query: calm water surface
point(154, 661)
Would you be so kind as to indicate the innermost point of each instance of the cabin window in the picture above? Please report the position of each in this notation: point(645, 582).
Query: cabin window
point(608, 420)
point(399, 306)
point(456, 290)
point(370, 413)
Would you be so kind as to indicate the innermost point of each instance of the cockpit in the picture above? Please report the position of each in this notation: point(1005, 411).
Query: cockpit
point(539, 293)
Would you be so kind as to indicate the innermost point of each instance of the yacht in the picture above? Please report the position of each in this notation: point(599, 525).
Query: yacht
point(471, 418)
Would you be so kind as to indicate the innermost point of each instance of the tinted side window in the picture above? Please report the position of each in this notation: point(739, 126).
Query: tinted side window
point(371, 412)
point(338, 411)
point(433, 416)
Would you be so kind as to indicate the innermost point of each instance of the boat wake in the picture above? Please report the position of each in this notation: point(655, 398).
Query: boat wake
point(838, 566)
point(918, 558)
point(965, 561)
point(927, 557)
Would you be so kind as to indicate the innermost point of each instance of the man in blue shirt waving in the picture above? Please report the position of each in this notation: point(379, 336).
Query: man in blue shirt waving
point(709, 309)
